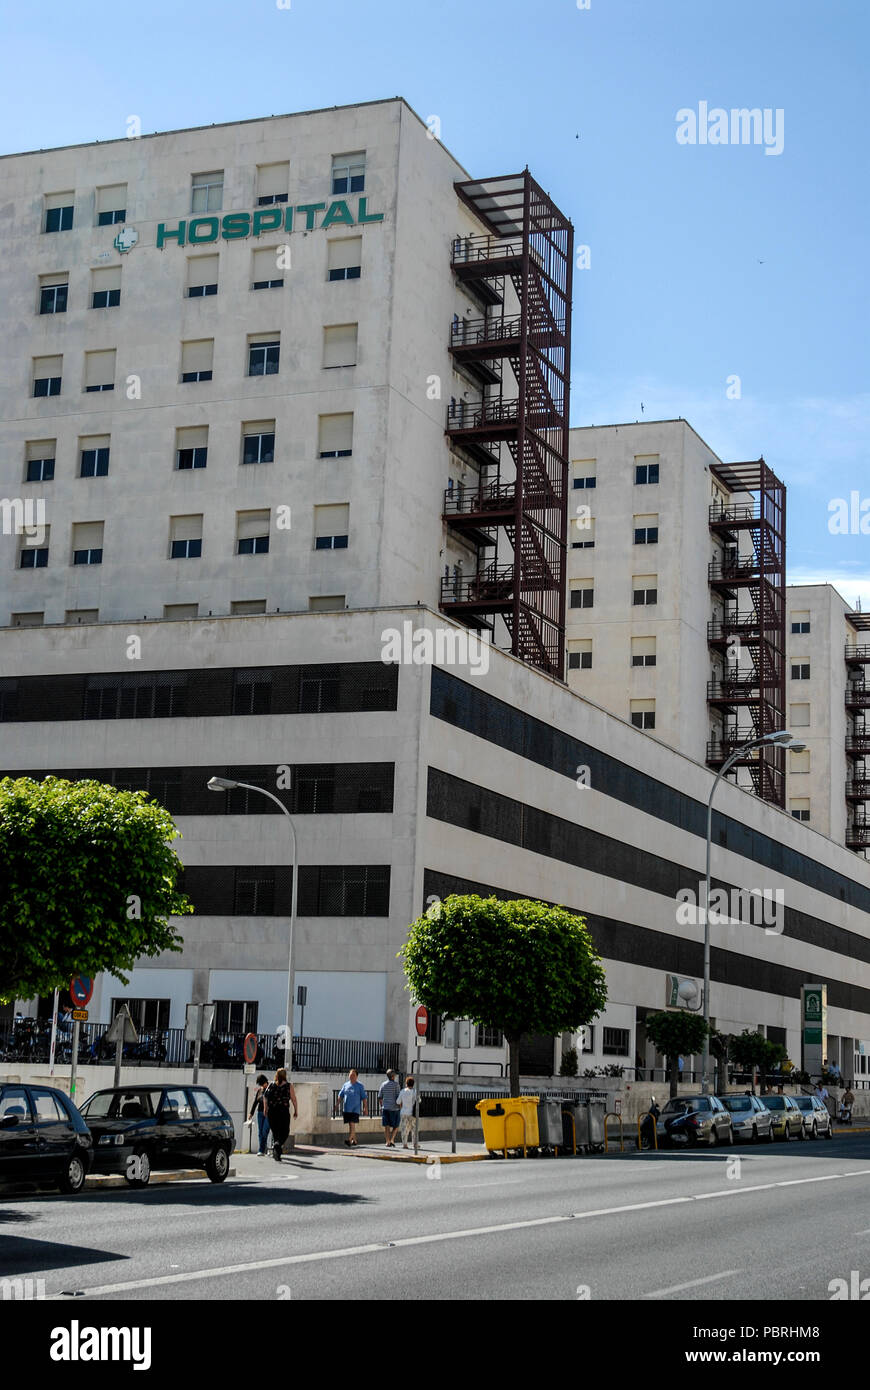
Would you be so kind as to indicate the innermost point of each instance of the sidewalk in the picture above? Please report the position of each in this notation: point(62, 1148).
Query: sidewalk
point(432, 1151)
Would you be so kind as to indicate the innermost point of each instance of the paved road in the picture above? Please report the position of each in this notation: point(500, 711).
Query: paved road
point(779, 1226)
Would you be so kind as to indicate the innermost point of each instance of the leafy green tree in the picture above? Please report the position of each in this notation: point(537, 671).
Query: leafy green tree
point(518, 966)
point(89, 881)
point(676, 1033)
point(753, 1050)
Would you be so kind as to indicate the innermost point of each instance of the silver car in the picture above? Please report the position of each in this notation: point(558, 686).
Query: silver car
point(817, 1119)
point(750, 1120)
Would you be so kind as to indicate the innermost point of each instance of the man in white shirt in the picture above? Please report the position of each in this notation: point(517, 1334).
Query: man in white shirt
point(407, 1099)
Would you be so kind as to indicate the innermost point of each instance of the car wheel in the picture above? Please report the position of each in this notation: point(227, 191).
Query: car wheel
point(138, 1172)
point(218, 1164)
point(73, 1177)
point(803, 1132)
point(714, 1138)
point(730, 1139)
point(771, 1135)
point(830, 1130)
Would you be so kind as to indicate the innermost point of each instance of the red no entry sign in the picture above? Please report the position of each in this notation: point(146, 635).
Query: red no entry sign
point(250, 1048)
point(81, 987)
point(421, 1018)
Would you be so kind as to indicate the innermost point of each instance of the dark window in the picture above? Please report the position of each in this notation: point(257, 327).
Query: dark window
point(266, 198)
point(186, 550)
point(263, 358)
point(52, 299)
point(95, 463)
point(800, 628)
point(586, 482)
point(638, 660)
point(345, 180)
point(582, 545)
point(46, 386)
point(331, 543)
point(258, 448)
point(644, 719)
point(347, 272)
point(34, 558)
point(800, 671)
point(582, 598)
point(147, 1014)
point(646, 473)
point(646, 535)
point(488, 1037)
point(200, 291)
point(58, 219)
point(616, 1042)
point(193, 458)
point(318, 689)
point(87, 557)
point(152, 695)
point(434, 1028)
point(106, 299)
point(108, 219)
point(235, 1016)
point(579, 661)
point(252, 691)
point(268, 284)
point(344, 890)
point(196, 376)
point(40, 470)
point(800, 815)
point(106, 386)
point(336, 453)
point(645, 596)
point(254, 545)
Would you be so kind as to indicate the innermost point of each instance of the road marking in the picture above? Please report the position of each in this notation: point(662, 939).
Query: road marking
point(406, 1241)
point(693, 1283)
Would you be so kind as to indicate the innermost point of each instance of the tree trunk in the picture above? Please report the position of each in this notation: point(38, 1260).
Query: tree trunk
point(514, 1045)
point(674, 1070)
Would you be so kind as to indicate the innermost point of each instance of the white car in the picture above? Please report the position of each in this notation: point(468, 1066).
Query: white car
point(750, 1120)
point(817, 1119)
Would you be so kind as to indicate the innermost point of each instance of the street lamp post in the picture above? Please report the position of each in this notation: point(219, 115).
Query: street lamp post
point(226, 784)
point(780, 736)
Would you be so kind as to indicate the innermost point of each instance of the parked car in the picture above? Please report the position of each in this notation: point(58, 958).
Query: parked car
point(43, 1138)
point(817, 1119)
point(694, 1120)
point(138, 1129)
point(787, 1118)
point(750, 1119)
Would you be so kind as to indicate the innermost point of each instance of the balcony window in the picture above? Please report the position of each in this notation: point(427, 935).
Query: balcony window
point(52, 298)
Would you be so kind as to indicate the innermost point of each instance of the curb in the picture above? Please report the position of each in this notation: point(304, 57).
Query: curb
point(418, 1158)
point(98, 1182)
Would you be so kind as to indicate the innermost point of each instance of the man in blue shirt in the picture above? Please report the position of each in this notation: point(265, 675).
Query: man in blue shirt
point(353, 1103)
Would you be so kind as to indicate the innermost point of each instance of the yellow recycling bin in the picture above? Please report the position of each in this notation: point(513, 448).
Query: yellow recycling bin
point(509, 1122)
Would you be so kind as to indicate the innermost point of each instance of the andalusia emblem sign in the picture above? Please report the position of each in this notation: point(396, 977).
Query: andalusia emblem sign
point(126, 239)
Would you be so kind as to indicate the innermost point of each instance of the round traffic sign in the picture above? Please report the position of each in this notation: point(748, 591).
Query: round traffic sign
point(421, 1018)
point(81, 987)
point(251, 1048)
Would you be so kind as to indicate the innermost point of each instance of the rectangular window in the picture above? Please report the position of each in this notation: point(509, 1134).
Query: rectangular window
point(273, 181)
point(252, 533)
point(643, 651)
point(267, 275)
point(331, 526)
point(94, 456)
point(799, 716)
point(800, 808)
point(100, 370)
point(177, 612)
point(202, 276)
point(258, 441)
point(584, 473)
point(34, 557)
point(53, 290)
point(616, 1042)
point(582, 593)
point(47, 375)
point(644, 588)
point(252, 691)
point(207, 194)
point(191, 447)
point(254, 893)
point(348, 173)
point(185, 537)
point(39, 460)
point(327, 603)
point(340, 344)
point(106, 287)
point(800, 670)
point(235, 1016)
point(263, 356)
point(111, 204)
point(197, 359)
point(87, 542)
point(28, 619)
point(335, 436)
point(643, 714)
point(247, 606)
point(646, 530)
point(147, 1014)
point(58, 212)
point(799, 762)
point(82, 615)
point(580, 655)
point(646, 468)
point(488, 1037)
point(800, 624)
point(344, 258)
point(583, 532)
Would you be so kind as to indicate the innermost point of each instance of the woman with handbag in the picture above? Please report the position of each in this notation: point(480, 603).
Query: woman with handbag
point(277, 1100)
point(258, 1109)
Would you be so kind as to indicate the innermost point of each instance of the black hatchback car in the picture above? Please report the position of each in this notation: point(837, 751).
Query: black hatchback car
point(140, 1128)
point(43, 1138)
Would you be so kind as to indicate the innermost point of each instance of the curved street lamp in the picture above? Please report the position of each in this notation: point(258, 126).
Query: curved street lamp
point(227, 784)
point(787, 740)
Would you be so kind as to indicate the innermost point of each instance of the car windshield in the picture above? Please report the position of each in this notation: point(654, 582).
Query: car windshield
point(736, 1103)
point(121, 1105)
point(804, 1102)
point(775, 1102)
point(686, 1104)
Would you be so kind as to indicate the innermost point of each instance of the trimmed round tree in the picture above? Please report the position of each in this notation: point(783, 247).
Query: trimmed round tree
point(518, 965)
point(89, 881)
point(676, 1033)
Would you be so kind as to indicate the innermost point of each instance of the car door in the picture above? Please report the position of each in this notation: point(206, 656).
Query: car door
point(209, 1123)
point(17, 1134)
point(55, 1134)
point(175, 1130)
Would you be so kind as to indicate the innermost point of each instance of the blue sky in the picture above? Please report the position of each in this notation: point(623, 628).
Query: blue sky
point(706, 261)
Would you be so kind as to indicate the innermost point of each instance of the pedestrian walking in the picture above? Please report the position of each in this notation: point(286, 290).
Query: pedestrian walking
point(354, 1103)
point(258, 1109)
point(846, 1103)
point(277, 1100)
point(408, 1119)
point(388, 1095)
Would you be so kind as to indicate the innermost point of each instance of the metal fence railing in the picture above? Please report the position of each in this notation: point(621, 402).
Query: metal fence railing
point(438, 1103)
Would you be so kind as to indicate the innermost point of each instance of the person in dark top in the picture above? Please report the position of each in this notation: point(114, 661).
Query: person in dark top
point(277, 1100)
point(262, 1119)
